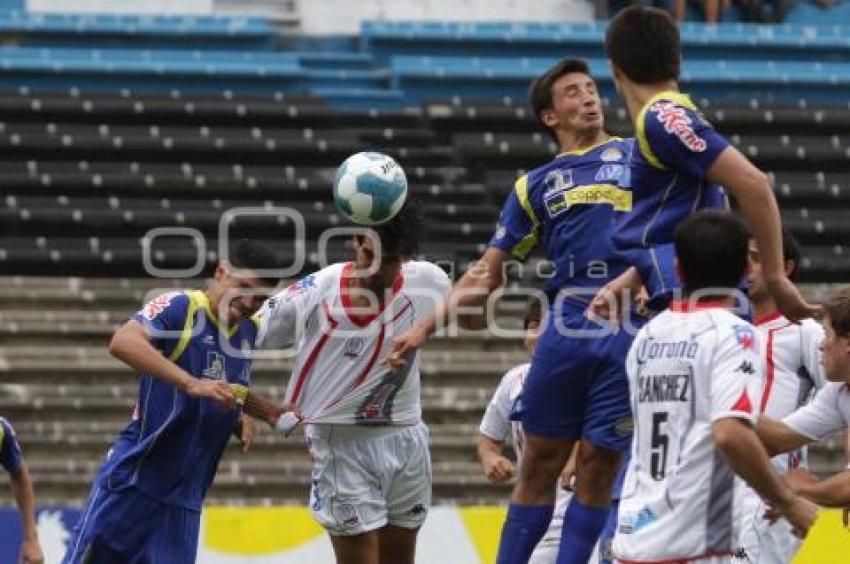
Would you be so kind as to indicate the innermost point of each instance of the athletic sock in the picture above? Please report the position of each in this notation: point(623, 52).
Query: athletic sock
point(582, 525)
point(524, 526)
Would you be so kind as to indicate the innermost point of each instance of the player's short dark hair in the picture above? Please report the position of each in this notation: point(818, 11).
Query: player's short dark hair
point(540, 91)
point(250, 254)
point(837, 309)
point(533, 311)
point(711, 246)
point(400, 236)
point(644, 43)
point(791, 252)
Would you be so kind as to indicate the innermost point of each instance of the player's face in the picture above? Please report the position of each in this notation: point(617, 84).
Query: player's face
point(758, 289)
point(836, 354)
point(382, 270)
point(532, 334)
point(576, 106)
point(243, 290)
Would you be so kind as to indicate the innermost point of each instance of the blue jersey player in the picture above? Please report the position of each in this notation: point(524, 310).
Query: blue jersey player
point(192, 349)
point(677, 166)
point(12, 460)
point(576, 387)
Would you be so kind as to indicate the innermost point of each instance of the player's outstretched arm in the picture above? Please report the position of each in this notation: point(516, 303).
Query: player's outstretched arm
point(751, 189)
point(131, 345)
point(464, 304)
point(832, 492)
point(740, 446)
point(25, 498)
point(262, 408)
point(777, 437)
point(497, 468)
point(606, 304)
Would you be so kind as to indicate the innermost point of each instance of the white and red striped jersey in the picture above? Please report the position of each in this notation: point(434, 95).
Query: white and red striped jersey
point(827, 414)
point(338, 376)
point(496, 424)
point(687, 368)
point(792, 369)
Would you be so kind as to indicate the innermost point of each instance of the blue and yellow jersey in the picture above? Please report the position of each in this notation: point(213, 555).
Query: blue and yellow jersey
point(570, 205)
point(171, 448)
point(10, 451)
point(674, 149)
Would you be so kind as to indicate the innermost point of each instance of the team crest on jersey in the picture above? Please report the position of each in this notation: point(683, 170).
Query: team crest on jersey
point(157, 305)
point(611, 154)
point(353, 347)
point(215, 366)
point(608, 172)
point(558, 180)
point(745, 336)
point(676, 122)
point(301, 286)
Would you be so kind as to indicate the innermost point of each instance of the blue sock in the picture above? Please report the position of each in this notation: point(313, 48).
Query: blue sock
point(606, 539)
point(524, 526)
point(582, 525)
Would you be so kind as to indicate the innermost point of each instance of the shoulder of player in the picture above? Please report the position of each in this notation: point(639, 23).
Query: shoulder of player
point(423, 272)
point(516, 373)
point(173, 300)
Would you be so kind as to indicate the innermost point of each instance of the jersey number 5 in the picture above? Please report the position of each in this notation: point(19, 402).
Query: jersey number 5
point(660, 442)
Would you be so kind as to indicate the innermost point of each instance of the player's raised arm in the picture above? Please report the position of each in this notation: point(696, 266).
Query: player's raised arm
point(131, 344)
point(751, 189)
point(464, 304)
point(12, 459)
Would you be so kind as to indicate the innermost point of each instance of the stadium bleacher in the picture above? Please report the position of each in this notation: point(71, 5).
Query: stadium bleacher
point(112, 126)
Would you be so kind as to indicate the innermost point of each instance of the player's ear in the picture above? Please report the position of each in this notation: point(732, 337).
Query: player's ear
point(789, 267)
point(549, 117)
point(221, 271)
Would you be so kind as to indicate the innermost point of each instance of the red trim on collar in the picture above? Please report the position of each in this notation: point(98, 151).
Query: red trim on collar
point(687, 306)
point(767, 318)
point(363, 320)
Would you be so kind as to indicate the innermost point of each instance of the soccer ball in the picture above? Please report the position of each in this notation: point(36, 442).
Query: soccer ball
point(369, 188)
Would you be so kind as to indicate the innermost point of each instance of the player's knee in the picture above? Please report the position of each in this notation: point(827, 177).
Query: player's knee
point(543, 460)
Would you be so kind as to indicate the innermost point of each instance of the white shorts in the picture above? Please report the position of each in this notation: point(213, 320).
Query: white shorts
point(707, 560)
point(366, 478)
point(764, 542)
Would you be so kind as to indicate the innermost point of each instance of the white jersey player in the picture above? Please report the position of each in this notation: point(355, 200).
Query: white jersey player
point(371, 467)
point(695, 375)
point(826, 415)
point(792, 370)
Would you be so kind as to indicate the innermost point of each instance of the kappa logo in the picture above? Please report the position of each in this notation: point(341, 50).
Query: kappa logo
point(746, 367)
point(417, 509)
point(676, 122)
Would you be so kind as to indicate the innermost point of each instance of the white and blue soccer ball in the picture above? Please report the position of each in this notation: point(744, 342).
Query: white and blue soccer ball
point(370, 188)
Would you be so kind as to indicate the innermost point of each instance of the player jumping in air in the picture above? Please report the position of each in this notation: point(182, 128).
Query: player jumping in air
point(12, 460)
point(371, 478)
point(576, 388)
point(192, 349)
point(678, 166)
point(695, 379)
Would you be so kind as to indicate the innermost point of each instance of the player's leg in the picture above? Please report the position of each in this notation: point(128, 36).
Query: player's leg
point(175, 538)
point(606, 435)
point(346, 497)
point(406, 479)
point(356, 549)
point(551, 409)
point(396, 545)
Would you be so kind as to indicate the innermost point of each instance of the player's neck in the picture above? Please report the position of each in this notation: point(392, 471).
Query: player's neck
point(763, 309)
point(578, 141)
point(637, 95)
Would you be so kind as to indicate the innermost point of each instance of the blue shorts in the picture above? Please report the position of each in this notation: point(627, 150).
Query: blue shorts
point(130, 527)
point(577, 386)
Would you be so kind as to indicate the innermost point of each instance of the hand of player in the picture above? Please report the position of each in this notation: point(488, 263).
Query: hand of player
point(404, 343)
point(798, 478)
point(801, 513)
point(605, 304)
point(247, 430)
point(289, 420)
point(31, 552)
point(498, 469)
point(216, 390)
point(790, 301)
